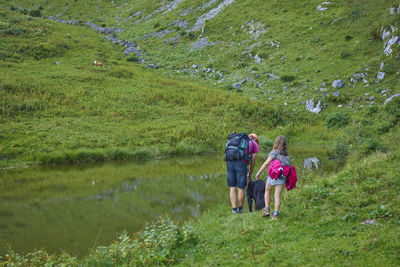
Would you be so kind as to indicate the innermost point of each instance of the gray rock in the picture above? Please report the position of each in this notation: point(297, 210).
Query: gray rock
point(201, 43)
point(257, 59)
point(254, 29)
point(338, 84)
point(236, 85)
point(273, 77)
point(137, 13)
point(385, 91)
point(210, 15)
point(368, 222)
point(308, 163)
point(385, 34)
point(132, 49)
point(165, 9)
point(174, 39)
point(322, 7)
point(371, 98)
point(391, 11)
point(337, 94)
point(195, 66)
point(186, 12)
point(158, 34)
point(380, 75)
point(357, 77)
point(310, 106)
point(382, 65)
point(183, 24)
point(391, 98)
point(57, 63)
point(152, 66)
point(207, 5)
point(388, 48)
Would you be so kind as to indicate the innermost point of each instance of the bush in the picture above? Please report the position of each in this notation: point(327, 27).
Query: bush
point(391, 67)
point(121, 73)
point(345, 54)
point(370, 145)
point(288, 78)
point(15, 31)
point(341, 151)
point(337, 119)
point(132, 58)
point(35, 13)
point(393, 108)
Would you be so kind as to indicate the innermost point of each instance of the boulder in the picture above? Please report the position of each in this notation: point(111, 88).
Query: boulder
point(321, 7)
point(380, 75)
point(391, 98)
point(236, 85)
point(310, 106)
point(338, 84)
point(308, 163)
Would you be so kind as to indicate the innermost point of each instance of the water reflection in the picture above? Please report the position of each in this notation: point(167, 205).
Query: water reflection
point(76, 208)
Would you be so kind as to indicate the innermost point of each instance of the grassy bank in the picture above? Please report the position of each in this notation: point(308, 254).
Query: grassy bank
point(350, 218)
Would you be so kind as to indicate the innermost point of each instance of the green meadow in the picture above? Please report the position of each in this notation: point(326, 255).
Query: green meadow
point(62, 108)
point(57, 107)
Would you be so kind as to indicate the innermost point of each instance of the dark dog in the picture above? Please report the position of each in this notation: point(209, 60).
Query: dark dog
point(256, 190)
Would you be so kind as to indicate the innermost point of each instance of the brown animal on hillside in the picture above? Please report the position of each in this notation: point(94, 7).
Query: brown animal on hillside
point(98, 63)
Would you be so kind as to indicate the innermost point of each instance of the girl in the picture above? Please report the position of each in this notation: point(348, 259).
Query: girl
point(279, 151)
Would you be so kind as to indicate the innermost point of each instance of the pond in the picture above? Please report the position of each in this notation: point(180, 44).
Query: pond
point(76, 208)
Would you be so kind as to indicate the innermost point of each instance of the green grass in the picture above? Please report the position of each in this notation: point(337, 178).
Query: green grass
point(76, 112)
point(320, 224)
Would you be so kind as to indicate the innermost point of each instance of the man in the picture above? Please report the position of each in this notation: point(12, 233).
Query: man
point(240, 151)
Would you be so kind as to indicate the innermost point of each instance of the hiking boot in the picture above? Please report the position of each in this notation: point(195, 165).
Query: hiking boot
point(274, 215)
point(266, 212)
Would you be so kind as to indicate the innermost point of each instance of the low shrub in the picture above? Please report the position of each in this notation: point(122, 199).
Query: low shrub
point(121, 73)
point(340, 151)
point(132, 58)
point(370, 145)
point(393, 108)
point(337, 119)
point(345, 54)
point(15, 31)
point(35, 13)
point(288, 78)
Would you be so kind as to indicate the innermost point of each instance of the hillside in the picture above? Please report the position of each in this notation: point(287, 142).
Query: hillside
point(179, 76)
point(309, 60)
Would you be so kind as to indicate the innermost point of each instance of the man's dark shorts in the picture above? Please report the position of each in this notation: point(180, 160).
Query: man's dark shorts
point(236, 172)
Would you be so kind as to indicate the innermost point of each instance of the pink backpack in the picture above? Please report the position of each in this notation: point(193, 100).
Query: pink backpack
point(275, 170)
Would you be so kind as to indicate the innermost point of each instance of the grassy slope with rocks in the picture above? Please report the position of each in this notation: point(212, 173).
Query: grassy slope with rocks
point(76, 112)
point(57, 107)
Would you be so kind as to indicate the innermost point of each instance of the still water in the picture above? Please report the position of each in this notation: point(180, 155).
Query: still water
point(76, 208)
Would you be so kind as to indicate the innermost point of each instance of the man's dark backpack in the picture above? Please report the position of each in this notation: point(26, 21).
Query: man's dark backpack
point(237, 147)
